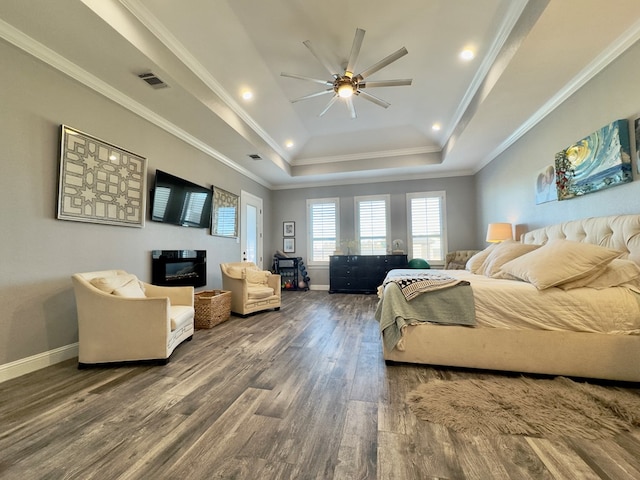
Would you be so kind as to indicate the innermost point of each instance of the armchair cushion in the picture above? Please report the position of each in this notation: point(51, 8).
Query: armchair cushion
point(259, 291)
point(257, 277)
point(180, 316)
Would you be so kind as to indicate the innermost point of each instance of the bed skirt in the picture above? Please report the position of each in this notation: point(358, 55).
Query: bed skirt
point(575, 354)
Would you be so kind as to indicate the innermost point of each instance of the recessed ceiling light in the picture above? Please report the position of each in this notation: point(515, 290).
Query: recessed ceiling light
point(288, 144)
point(436, 127)
point(467, 54)
point(247, 95)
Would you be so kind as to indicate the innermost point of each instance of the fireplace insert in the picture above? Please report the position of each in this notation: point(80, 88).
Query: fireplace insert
point(179, 267)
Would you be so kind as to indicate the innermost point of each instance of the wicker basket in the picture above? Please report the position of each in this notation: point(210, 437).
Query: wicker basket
point(212, 307)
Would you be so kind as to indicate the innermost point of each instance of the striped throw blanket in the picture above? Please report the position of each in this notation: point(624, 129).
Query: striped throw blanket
point(420, 282)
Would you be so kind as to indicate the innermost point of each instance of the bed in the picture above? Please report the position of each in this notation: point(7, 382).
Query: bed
point(555, 303)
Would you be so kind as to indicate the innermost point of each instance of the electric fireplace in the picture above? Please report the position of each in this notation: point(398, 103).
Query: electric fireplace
point(179, 268)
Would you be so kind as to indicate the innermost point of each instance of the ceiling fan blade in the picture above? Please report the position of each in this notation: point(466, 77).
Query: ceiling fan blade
point(331, 102)
point(312, 95)
point(355, 51)
point(372, 98)
point(351, 107)
point(330, 68)
point(383, 63)
point(309, 79)
point(385, 83)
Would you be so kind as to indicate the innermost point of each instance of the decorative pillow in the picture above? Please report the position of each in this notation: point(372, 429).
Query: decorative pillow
point(560, 261)
point(258, 277)
point(475, 262)
point(504, 252)
point(617, 273)
point(120, 285)
point(236, 272)
point(132, 289)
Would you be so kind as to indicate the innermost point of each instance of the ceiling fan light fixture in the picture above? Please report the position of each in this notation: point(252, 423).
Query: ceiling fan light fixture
point(345, 90)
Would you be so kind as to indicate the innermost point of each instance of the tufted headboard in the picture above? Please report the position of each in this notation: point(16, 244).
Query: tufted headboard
point(620, 232)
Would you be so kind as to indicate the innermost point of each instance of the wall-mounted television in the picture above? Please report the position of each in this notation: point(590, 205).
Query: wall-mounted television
point(180, 202)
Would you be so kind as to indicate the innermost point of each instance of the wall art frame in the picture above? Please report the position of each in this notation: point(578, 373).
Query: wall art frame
point(224, 213)
point(289, 245)
point(288, 229)
point(601, 160)
point(545, 187)
point(99, 182)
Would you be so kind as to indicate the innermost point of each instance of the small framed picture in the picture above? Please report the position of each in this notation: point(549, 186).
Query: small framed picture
point(289, 245)
point(288, 229)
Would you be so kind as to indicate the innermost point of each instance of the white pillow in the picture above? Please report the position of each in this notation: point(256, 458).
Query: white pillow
point(111, 283)
point(504, 252)
point(133, 289)
point(617, 273)
point(475, 262)
point(560, 261)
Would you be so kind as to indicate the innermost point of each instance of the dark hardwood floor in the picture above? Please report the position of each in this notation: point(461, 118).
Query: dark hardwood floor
point(302, 393)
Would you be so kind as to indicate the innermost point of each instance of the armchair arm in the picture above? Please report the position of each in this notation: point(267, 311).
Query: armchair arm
point(273, 281)
point(177, 295)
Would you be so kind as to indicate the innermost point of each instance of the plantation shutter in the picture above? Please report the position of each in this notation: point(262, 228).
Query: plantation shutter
point(323, 220)
point(372, 218)
point(427, 227)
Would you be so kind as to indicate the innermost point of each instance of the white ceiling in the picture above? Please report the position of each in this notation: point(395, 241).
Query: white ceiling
point(530, 56)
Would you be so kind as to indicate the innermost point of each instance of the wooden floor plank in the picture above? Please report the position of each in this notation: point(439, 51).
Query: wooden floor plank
point(300, 393)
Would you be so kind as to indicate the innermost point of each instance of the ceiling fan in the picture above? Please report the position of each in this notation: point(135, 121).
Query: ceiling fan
point(347, 84)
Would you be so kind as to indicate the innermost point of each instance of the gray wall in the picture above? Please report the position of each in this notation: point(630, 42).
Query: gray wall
point(290, 205)
point(41, 252)
point(506, 185)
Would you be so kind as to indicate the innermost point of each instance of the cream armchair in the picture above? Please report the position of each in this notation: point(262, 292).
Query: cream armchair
point(457, 260)
point(252, 290)
point(121, 319)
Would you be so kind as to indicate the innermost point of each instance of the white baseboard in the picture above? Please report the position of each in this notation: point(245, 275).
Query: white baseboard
point(36, 362)
point(319, 287)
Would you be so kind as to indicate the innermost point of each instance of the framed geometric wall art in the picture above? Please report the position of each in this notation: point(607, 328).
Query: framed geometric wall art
point(224, 214)
point(601, 160)
point(100, 182)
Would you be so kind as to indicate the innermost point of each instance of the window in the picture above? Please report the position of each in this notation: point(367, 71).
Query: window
point(372, 221)
point(323, 221)
point(426, 226)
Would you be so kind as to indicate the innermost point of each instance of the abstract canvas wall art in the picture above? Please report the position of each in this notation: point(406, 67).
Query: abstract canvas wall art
point(99, 182)
point(596, 162)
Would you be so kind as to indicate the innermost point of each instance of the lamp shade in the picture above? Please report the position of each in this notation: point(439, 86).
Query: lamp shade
point(498, 232)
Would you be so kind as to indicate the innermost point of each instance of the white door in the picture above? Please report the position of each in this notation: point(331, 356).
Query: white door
point(251, 228)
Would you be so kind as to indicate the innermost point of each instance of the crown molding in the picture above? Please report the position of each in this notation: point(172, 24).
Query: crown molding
point(365, 156)
point(617, 48)
point(514, 12)
point(375, 179)
point(57, 61)
point(151, 22)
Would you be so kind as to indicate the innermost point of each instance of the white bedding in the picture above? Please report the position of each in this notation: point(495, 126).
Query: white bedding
point(515, 304)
